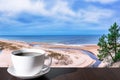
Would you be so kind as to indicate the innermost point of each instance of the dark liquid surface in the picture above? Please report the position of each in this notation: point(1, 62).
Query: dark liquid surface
point(27, 54)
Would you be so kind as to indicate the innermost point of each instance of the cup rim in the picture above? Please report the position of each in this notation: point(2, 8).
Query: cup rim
point(28, 50)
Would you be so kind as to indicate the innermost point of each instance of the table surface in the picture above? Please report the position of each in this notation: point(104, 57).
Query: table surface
point(71, 74)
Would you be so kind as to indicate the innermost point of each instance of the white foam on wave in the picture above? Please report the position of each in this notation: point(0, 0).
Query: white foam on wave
point(72, 44)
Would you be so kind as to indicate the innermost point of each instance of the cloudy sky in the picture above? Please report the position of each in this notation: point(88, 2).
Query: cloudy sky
point(58, 17)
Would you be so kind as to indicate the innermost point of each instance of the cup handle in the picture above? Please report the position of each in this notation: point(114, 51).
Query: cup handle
point(49, 62)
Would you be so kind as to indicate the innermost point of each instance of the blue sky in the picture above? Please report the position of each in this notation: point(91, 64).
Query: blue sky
point(58, 17)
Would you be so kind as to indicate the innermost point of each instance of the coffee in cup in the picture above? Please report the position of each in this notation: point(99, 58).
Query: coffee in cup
point(28, 62)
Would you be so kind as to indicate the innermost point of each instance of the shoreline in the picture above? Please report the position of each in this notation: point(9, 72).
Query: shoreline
point(72, 56)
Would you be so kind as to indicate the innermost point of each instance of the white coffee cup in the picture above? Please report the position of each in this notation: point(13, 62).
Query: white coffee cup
point(28, 62)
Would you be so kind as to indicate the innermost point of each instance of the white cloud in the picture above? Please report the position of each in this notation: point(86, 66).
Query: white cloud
point(36, 7)
point(102, 1)
point(14, 7)
point(59, 9)
point(94, 14)
point(62, 8)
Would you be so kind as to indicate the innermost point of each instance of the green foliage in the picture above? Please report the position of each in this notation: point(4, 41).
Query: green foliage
point(109, 44)
point(117, 57)
point(103, 47)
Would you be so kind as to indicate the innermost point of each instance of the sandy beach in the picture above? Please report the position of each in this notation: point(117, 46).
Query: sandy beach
point(62, 55)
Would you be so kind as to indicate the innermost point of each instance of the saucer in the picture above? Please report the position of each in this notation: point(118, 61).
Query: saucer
point(11, 71)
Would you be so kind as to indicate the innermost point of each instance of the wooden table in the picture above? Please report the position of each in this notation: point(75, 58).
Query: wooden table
point(72, 74)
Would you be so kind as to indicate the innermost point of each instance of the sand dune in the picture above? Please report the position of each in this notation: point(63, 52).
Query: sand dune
point(62, 55)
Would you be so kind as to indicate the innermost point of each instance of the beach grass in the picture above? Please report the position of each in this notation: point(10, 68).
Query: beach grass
point(56, 55)
point(4, 45)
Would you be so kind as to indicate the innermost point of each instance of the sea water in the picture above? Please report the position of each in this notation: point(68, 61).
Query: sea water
point(56, 39)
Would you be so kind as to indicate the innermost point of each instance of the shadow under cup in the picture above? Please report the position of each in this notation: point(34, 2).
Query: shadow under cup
point(28, 62)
